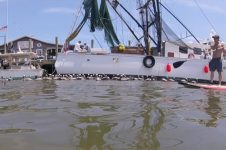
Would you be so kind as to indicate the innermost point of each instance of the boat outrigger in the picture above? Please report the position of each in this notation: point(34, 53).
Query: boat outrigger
point(166, 58)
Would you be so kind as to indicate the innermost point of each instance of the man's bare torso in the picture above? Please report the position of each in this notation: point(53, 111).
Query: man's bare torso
point(217, 50)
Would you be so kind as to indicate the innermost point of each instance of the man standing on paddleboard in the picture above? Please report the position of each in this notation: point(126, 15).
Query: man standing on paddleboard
point(216, 62)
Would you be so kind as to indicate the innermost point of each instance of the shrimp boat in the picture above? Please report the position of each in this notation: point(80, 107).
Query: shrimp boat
point(19, 66)
point(155, 55)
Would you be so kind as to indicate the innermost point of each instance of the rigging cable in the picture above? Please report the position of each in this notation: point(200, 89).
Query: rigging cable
point(117, 28)
point(204, 15)
point(121, 17)
point(179, 22)
point(123, 39)
point(76, 15)
point(94, 35)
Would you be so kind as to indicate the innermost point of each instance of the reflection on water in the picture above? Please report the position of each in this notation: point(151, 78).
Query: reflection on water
point(92, 133)
point(94, 130)
point(109, 115)
point(214, 109)
point(153, 120)
point(132, 124)
point(213, 106)
point(6, 131)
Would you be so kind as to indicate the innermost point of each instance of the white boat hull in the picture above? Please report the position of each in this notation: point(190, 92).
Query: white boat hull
point(129, 64)
point(20, 73)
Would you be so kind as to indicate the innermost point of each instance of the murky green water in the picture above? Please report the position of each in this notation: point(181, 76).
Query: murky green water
point(110, 115)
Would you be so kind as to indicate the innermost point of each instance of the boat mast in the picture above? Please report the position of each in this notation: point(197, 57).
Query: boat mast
point(146, 38)
point(146, 13)
point(144, 18)
point(144, 24)
point(120, 16)
point(158, 26)
point(150, 18)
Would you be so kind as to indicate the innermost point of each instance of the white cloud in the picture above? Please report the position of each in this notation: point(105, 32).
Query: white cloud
point(59, 10)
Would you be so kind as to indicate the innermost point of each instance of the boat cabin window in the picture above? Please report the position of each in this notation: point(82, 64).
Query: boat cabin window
point(183, 49)
point(170, 54)
point(197, 51)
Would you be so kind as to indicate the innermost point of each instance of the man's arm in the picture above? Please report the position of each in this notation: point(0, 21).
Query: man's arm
point(223, 46)
point(207, 50)
point(224, 50)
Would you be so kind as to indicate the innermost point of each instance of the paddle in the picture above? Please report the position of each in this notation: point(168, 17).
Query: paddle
point(178, 63)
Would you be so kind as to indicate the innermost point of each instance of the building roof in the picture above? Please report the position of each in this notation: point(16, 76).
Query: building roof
point(32, 39)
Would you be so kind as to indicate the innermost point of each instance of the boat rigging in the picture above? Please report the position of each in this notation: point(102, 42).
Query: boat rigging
point(150, 15)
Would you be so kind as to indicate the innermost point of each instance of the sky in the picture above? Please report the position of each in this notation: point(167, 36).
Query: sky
point(47, 19)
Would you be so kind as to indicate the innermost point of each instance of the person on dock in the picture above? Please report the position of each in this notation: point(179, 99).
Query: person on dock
point(216, 63)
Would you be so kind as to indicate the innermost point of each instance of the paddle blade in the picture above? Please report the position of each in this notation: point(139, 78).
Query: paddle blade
point(178, 63)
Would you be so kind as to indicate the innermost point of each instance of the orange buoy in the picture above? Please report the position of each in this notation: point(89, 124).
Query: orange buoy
point(168, 68)
point(206, 69)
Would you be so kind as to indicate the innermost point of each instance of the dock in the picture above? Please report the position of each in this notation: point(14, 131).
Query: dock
point(48, 65)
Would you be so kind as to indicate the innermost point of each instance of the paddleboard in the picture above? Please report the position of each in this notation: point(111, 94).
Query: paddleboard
point(203, 85)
